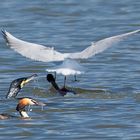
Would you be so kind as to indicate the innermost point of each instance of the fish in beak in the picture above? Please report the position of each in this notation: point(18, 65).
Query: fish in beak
point(17, 84)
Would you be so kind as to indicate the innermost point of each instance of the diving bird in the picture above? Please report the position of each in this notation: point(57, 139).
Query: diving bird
point(48, 54)
point(23, 102)
point(17, 84)
point(62, 91)
point(68, 67)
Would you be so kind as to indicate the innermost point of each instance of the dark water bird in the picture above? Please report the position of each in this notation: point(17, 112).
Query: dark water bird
point(46, 54)
point(17, 84)
point(23, 102)
point(62, 91)
point(66, 68)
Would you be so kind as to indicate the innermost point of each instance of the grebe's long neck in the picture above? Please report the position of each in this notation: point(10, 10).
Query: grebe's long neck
point(24, 114)
point(55, 85)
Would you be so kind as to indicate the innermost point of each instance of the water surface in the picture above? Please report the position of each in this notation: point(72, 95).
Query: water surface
point(107, 106)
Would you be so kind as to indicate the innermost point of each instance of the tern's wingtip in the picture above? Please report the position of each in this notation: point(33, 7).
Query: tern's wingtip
point(137, 31)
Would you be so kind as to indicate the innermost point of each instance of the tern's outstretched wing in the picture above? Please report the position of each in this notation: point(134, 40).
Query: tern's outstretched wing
point(47, 54)
point(32, 50)
point(100, 46)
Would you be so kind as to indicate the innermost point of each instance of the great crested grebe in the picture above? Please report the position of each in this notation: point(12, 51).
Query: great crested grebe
point(17, 84)
point(23, 102)
point(47, 54)
point(62, 91)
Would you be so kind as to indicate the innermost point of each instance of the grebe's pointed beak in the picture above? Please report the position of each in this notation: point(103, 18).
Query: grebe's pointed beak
point(18, 84)
point(38, 103)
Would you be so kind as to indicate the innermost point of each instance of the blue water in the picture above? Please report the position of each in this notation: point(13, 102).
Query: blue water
point(108, 104)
